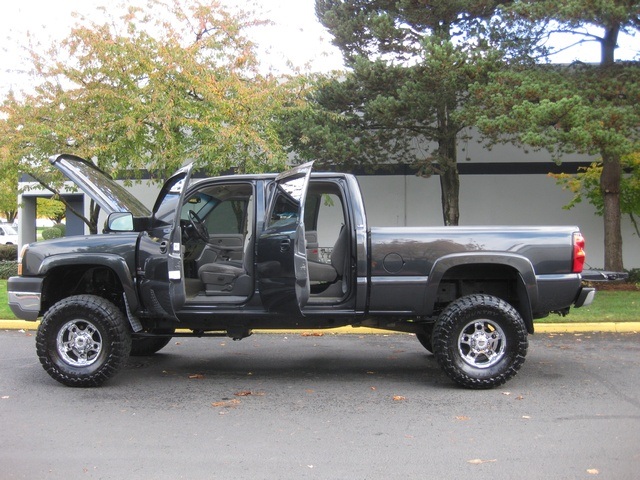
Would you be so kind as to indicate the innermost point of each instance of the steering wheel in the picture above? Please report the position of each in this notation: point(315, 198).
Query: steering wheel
point(198, 226)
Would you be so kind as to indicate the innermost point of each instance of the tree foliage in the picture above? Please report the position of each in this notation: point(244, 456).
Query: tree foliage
point(581, 108)
point(409, 67)
point(586, 185)
point(51, 209)
point(146, 91)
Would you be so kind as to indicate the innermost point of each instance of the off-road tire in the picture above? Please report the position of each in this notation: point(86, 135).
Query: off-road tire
point(145, 346)
point(480, 341)
point(83, 341)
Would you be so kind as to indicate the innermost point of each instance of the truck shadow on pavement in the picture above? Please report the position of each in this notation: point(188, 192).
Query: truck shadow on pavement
point(291, 358)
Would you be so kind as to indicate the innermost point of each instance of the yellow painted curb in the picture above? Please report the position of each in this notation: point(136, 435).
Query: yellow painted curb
point(613, 327)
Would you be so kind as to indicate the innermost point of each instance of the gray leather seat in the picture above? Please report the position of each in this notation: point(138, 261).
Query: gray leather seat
point(228, 277)
point(330, 272)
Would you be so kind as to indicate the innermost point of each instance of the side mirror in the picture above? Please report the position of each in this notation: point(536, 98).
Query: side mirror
point(119, 222)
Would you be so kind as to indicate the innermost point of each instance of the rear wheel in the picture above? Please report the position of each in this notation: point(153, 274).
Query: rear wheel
point(83, 341)
point(480, 341)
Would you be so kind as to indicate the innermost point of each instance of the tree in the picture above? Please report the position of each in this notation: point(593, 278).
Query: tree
point(51, 208)
point(582, 108)
point(146, 92)
point(410, 65)
point(8, 189)
point(586, 185)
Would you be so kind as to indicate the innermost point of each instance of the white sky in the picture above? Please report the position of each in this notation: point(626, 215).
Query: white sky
point(296, 35)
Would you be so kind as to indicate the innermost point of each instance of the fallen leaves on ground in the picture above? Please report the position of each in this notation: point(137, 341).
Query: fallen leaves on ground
point(234, 402)
point(479, 461)
point(196, 376)
point(399, 398)
point(593, 471)
point(312, 334)
point(463, 418)
point(246, 393)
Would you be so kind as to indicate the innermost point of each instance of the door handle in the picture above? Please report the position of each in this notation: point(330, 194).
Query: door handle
point(163, 247)
point(285, 245)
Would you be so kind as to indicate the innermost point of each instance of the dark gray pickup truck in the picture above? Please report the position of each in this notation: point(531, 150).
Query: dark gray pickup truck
point(225, 255)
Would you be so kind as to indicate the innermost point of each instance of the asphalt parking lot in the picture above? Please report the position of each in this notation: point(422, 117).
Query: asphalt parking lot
point(289, 406)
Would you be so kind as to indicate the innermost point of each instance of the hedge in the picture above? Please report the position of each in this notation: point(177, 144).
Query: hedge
point(8, 269)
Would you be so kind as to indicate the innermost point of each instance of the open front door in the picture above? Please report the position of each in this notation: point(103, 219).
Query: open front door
point(283, 275)
point(160, 262)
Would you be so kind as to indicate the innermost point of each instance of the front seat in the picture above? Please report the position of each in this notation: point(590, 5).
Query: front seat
point(229, 277)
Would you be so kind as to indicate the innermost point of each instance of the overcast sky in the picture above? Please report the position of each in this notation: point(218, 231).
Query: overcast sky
point(296, 34)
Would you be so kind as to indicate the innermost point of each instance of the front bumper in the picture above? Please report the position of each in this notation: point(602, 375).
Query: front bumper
point(24, 296)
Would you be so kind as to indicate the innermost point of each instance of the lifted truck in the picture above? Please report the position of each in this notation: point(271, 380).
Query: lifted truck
point(225, 255)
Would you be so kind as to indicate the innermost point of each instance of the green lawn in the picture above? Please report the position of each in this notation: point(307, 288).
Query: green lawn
point(608, 306)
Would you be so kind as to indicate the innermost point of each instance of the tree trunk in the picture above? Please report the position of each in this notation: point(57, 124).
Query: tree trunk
point(94, 213)
point(610, 189)
point(608, 45)
point(611, 176)
point(449, 180)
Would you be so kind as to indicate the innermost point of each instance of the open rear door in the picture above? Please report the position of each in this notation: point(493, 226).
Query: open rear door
point(283, 275)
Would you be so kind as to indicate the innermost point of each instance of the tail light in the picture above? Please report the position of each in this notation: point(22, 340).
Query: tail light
point(579, 255)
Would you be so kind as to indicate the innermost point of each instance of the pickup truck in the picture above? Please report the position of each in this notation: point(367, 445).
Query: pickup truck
point(225, 255)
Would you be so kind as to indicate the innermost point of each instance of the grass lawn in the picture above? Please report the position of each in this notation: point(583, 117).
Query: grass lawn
point(608, 306)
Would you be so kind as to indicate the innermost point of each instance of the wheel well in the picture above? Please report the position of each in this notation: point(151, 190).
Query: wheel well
point(62, 282)
point(500, 281)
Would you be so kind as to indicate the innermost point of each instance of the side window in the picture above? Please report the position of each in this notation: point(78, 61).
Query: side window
point(285, 211)
point(228, 217)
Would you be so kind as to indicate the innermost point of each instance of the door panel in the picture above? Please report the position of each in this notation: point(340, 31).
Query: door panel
point(283, 275)
point(160, 256)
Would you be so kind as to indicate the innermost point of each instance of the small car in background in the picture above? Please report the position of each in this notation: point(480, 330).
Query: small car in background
point(8, 235)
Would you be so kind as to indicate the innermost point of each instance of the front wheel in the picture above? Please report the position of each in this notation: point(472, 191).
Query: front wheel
point(83, 341)
point(480, 341)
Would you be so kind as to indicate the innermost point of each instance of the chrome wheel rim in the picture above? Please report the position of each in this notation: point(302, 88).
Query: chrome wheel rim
point(482, 343)
point(79, 343)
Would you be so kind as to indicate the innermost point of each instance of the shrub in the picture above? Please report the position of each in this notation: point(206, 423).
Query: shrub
point(49, 233)
point(8, 252)
point(8, 269)
point(62, 227)
point(634, 275)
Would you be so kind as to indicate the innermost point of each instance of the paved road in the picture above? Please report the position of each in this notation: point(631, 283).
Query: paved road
point(292, 407)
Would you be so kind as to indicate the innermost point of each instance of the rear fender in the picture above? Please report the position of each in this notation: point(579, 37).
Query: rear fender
point(527, 288)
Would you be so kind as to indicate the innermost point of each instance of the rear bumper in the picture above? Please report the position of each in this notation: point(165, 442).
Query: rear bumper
point(585, 297)
point(24, 296)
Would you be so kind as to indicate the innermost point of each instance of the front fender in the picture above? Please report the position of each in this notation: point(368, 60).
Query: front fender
point(114, 262)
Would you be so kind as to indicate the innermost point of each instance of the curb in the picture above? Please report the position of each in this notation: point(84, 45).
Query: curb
point(608, 327)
